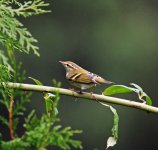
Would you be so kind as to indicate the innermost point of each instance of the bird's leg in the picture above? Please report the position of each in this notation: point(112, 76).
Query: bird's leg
point(92, 96)
point(80, 91)
point(91, 91)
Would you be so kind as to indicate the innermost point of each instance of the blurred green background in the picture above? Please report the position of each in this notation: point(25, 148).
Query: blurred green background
point(117, 40)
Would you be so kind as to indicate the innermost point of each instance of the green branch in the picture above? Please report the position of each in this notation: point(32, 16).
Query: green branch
point(94, 97)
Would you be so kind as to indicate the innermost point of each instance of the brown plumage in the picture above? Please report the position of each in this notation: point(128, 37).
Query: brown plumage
point(80, 77)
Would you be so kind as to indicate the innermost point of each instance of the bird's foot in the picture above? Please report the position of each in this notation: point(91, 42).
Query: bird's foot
point(76, 90)
point(80, 92)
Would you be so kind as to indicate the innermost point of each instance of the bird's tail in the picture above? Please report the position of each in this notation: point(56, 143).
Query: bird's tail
point(100, 80)
point(109, 82)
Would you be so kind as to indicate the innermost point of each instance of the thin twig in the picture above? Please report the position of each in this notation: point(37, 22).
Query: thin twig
point(11, 118)
point(100, 98)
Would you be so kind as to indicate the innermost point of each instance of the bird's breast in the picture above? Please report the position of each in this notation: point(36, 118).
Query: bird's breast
point(82, 86)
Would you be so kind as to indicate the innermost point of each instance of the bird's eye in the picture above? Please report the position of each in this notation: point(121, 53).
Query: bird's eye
point(69, 66)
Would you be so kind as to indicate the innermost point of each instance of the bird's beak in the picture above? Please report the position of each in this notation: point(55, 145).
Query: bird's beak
point(61, 62)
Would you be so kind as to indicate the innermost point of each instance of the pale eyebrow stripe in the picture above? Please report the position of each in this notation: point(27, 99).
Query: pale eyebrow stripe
point(71, 66)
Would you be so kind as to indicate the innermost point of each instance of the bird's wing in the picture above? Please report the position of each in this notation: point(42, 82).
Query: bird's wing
point(83, 77)
point(91, 78)
point(86, 77)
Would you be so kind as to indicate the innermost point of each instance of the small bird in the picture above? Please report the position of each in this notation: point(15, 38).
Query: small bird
point(81, 78)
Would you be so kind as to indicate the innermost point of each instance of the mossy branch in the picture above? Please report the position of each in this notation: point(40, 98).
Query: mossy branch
point(94, 97)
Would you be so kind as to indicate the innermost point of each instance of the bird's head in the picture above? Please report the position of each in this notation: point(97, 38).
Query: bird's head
point(69, 65)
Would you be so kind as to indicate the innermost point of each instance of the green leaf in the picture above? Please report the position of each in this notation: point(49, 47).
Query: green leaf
point(148, 100)
point(50, 108)
point(36, 81)
point(4, 61)
point(56, 84)
point(13, 33)
point(112, 140)
point(121, 89)
point(115, 126)
point(5, 74)
point(142, 94)
point(4, 121)
point(42, 132)
point(118, 89)
point(137, 86)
